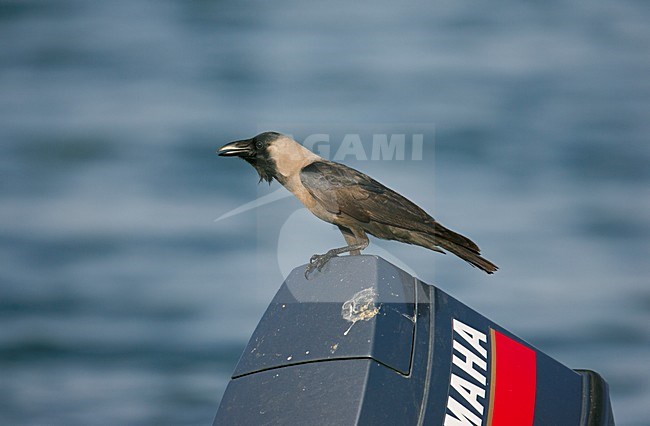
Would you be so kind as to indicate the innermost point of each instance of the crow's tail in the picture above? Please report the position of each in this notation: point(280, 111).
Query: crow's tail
point(459, 245)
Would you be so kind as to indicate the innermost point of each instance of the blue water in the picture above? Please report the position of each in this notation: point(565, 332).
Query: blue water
point(122, 301)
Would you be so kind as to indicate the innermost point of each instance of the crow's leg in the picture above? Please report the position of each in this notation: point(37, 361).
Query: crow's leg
point(353, 239)
point(357, 241)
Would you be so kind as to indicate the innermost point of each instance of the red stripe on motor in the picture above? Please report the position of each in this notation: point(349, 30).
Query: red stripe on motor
point(513, 382)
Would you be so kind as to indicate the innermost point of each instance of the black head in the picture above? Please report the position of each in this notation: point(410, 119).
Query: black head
point(255, 152)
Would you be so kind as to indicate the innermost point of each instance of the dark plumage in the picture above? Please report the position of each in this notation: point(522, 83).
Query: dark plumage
point(353, 201)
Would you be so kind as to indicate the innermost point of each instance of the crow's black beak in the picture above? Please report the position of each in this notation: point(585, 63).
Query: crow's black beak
point(237, 149)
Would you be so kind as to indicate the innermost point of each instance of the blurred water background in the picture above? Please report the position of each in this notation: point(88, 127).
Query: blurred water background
point(122, 301)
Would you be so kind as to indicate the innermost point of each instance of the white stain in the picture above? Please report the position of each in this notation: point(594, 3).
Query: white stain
point(361, 307)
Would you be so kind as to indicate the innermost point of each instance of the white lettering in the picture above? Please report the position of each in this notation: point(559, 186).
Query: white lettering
point(460, 415)
point(470, 361)
point(464, 359)
point(418, 141)
point(382, 148)
point(469, 391)
point(351, 145)
point(472, 336)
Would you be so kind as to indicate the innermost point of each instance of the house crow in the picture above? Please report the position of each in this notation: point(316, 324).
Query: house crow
point(357, 204)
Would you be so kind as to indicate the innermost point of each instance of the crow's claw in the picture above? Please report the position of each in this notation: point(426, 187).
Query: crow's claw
point(317, 261)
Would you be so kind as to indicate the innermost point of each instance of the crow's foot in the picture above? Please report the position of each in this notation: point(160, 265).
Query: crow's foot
point(317, 261)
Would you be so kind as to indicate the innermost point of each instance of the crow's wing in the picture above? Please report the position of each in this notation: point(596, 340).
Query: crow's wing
point(345, 191)
point(341, 189)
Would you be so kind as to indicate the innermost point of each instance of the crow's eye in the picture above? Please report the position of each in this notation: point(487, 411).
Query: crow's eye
point(259, 145)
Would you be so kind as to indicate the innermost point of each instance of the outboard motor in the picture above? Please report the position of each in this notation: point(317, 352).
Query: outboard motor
point(363, 342)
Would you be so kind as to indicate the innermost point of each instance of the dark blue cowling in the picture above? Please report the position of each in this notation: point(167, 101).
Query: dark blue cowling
point(363, 342)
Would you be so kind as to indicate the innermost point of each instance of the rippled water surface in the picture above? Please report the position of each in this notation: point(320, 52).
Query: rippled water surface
point(122, 301)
